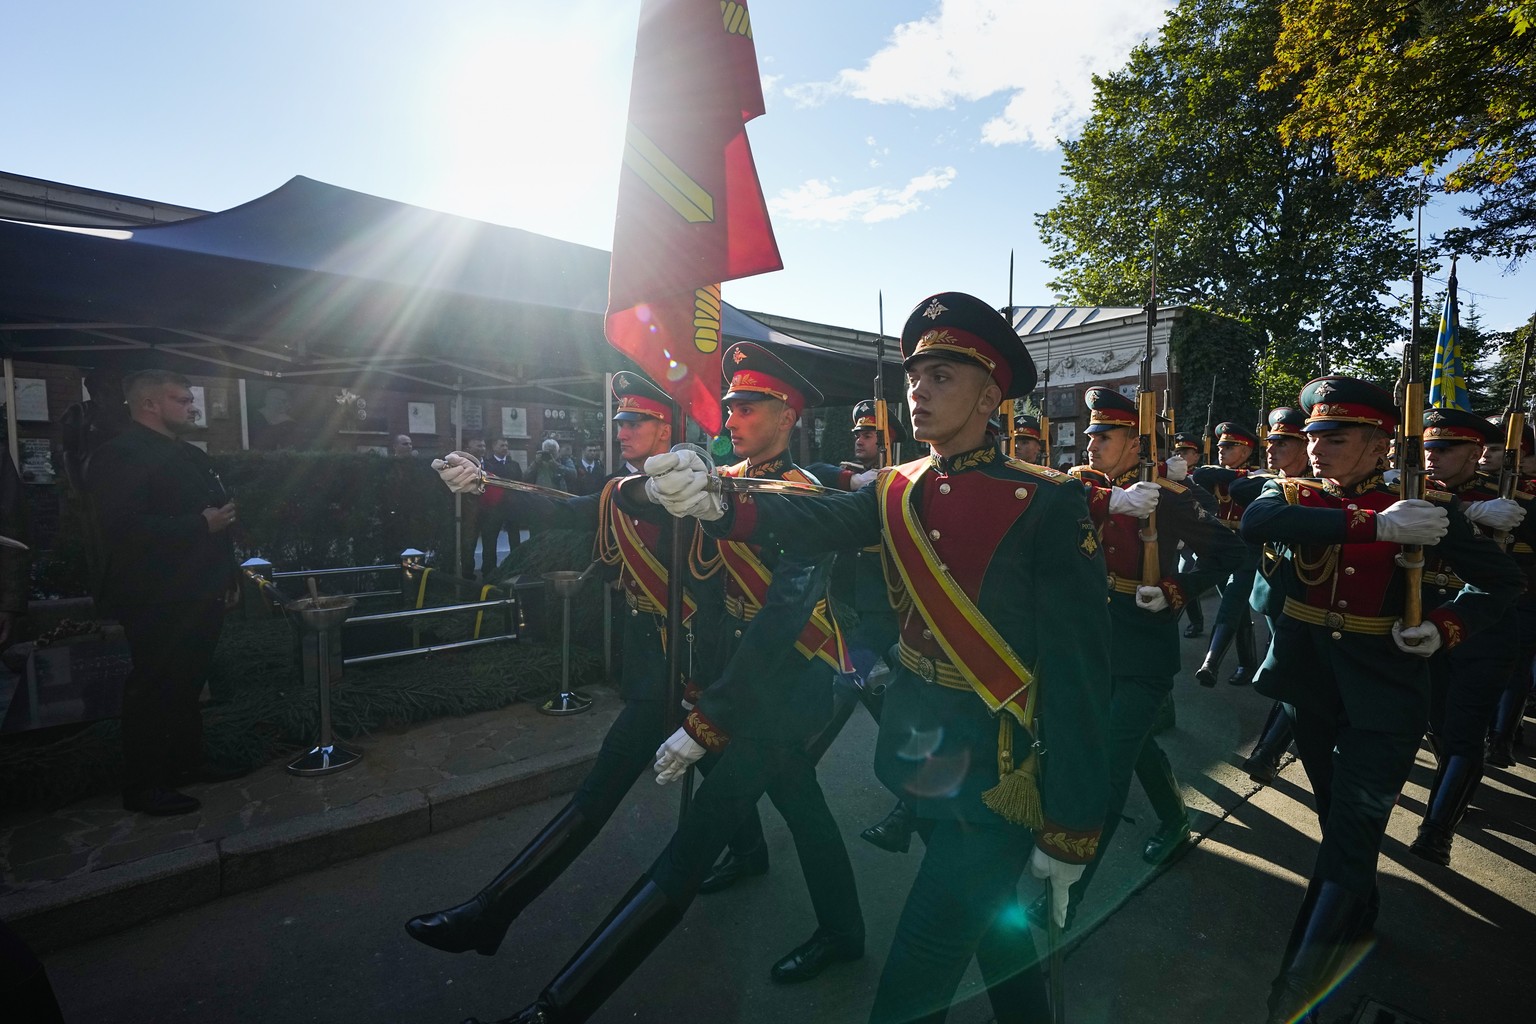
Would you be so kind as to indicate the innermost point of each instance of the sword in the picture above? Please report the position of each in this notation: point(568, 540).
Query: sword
point(7, 542)
point(1057, 980)
point(717, 485)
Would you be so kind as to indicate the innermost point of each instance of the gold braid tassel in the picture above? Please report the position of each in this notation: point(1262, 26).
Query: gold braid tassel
point(1016, 797)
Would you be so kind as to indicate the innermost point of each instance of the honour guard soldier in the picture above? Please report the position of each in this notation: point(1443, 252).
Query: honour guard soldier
point(1144, 652)
point(1513, 701)
point(1026, 434)
point(1285, 455)
point(758, 719)
point(1465, 682)
point(1186, 446)
point(1344, 659)
point(859, 582)
point(1235, 446)
point(640, 551)
point(993, 722)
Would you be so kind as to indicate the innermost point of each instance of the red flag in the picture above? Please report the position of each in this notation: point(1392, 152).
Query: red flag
point(691, 212)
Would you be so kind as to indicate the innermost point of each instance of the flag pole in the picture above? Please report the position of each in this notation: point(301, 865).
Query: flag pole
point(675, 572)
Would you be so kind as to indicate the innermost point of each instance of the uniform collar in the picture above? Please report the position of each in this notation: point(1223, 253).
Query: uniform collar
point(972, 459)
point(770, 468)
point(1371, 483)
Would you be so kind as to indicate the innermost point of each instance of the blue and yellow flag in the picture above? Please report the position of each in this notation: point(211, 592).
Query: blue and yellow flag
point(1447, 379)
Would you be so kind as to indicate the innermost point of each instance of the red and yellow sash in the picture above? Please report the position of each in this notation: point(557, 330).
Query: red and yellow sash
point(638, 561)
point(819, 639)
point(971, 643)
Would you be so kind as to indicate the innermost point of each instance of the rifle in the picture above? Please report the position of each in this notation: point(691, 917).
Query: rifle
point(1151, 565)
point(1514, 427)
point(1210, 422)
point(882, 412)
point(1410, 457)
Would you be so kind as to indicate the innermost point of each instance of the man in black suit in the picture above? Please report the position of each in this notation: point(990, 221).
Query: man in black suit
point(162, 518)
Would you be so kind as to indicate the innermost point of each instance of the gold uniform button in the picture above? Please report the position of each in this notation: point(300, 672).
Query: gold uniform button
point(943, 488)
point(1022, 492)
point(1352, 507)
point(1343, 604)
point(927, 634)
point(933, 534)
point(634, 611)
point(1337, 635)
point(1349, 570)
point(738, 634)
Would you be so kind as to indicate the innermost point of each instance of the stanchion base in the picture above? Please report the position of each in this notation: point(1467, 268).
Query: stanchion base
point(566, 704)
point(324, 761)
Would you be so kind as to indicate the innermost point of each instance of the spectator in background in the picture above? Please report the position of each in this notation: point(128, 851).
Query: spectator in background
point(91, 423)
point(162, 519)
point(403, 448)
point(14, 562)
point(497, 511)
point(273, 425)
point(548, 470)
point(590, 473)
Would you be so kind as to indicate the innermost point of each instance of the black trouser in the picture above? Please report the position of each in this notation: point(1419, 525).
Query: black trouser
point(1356, 776)
point(963, 904)
point(1133, 705)
point(1466, 683)
point(628, 750)
point(494, 519)
point(1155, 774)
point(172, 647)
point(726, 801)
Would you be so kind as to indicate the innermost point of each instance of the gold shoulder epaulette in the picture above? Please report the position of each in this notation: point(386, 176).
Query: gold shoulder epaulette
point(1291, 486)
point(1522, 496)
point(1176, 488)
point(799, 476)
point(1055, 476)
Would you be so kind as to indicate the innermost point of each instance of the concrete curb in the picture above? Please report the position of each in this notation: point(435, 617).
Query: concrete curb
point(113, 899)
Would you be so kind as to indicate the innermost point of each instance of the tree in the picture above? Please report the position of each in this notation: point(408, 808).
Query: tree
point(1182, 138)
point(1447, 84)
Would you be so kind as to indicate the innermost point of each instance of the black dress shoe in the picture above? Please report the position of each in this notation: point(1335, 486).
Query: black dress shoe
point(1165, 842)
point(815, 955)
point(1433, 843)
point(1500, 753)
point(1193, 630)
point(733, 868)
point(159, 801)
point(894, 831)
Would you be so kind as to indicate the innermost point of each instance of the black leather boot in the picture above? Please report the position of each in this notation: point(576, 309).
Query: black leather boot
point(1169, 838)
point(1222, 636)
point(1247, 656)
point(482, 923)
point(1501, 745)
point(1325, 930)
point(733, 867)
point(894, 831)
point(637, 925)
point(1263, 764)
point(1196, 616)
point(1448, 801)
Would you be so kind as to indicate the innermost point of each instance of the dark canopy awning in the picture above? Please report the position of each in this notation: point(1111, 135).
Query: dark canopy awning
point(320, 284)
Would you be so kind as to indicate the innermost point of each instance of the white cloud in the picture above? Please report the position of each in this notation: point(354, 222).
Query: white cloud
point(1042, 57)
point(819, 202)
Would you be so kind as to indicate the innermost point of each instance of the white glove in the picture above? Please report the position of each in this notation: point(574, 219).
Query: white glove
point(1391, 476)
point(1061, 875)
point(675, 755)
point(1412, 522)
point(679, 482)
point(461, 473)
point(1139, 499)
point(861, 480)
point(1499, 514)
point(1151, 599)
point(1177, 469)
point(1425, 637)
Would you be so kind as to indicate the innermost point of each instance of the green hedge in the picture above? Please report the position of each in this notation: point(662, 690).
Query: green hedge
point(265, 714)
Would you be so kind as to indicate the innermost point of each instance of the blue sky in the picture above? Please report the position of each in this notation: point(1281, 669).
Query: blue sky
point(908, 144)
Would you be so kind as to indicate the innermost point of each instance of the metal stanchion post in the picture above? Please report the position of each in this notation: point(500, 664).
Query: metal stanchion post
point(318, 621)
point(567, 702)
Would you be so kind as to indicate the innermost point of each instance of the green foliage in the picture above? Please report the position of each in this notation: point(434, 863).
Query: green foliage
point(1447, 84)
point(1208, 346)
point(265, 713)
point(1182, 140)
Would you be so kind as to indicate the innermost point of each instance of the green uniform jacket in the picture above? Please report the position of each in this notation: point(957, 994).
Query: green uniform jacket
point(1018, 540)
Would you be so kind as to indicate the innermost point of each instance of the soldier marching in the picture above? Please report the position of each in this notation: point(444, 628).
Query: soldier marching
point(970, 574)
